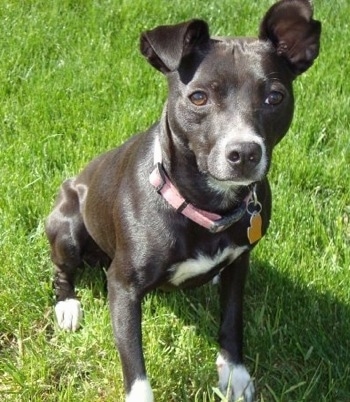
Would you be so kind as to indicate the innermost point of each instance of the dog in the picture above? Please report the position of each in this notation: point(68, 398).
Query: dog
point(187, 200)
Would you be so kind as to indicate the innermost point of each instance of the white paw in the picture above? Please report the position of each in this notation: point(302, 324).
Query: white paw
point(216, 280)
point(69, 314)
point(235, 380)
point(141, 391)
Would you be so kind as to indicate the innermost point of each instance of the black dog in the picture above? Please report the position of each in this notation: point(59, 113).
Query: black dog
point(189, 198)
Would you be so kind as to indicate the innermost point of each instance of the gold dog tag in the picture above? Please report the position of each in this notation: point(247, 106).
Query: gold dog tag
point(254, 230)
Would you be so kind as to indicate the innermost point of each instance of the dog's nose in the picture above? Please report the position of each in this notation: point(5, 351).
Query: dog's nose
point(244, 153)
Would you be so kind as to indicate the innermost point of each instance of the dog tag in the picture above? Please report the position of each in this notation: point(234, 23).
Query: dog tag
point(254, 230)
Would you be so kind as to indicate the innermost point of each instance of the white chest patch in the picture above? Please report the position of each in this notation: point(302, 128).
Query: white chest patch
point(202, 264)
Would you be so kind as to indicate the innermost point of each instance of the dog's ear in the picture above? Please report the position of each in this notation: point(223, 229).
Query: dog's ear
point(165, 46)
point(288, 24)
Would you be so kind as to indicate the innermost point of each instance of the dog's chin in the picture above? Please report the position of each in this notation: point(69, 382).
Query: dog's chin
point(229, 184)
point(228, 190)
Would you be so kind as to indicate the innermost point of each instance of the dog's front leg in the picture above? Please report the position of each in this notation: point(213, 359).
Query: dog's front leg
point(234, 378)
point(125, 307)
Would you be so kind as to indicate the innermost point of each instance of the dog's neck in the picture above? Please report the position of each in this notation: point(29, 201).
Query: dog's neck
point(210, 220)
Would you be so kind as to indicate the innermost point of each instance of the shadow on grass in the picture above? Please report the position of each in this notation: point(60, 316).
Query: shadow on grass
point(297, 342)
point(299, 337)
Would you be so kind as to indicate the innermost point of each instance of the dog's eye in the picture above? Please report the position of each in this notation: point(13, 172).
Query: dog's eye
point(199, 98)
point(274, 98)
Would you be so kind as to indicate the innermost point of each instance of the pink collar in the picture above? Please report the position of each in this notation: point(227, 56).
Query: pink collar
point(209, 220)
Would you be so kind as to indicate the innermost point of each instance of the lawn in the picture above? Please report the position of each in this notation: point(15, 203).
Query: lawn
point(72, 85)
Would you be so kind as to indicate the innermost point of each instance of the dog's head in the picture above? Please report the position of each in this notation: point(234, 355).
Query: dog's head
point(230, 99)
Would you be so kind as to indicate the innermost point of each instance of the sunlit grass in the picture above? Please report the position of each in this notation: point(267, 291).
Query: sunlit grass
point(73, 84)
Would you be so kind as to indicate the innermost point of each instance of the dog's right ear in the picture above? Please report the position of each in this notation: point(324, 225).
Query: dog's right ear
point(289, 25)
point(165, 46)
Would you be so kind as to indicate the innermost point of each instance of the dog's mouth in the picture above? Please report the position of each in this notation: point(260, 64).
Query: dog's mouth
point(231, 182)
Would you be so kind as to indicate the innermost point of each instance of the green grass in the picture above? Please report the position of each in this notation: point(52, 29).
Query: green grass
point(73, 84)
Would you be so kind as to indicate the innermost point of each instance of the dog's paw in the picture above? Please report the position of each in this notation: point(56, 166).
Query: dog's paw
point(242, 384)
point(235, 381)
point(69, 314)
point(216, 280)
point(141, 391)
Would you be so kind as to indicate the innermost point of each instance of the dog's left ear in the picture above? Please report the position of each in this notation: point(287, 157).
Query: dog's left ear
point(165, 46)
point(288, 24)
